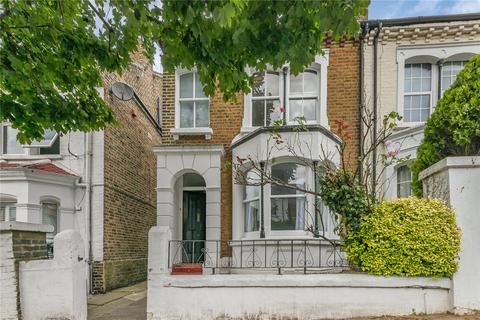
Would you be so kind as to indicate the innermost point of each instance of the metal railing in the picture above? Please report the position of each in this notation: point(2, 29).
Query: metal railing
point(306, 255)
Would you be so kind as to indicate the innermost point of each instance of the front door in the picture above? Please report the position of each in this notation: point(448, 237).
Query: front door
point(194, 204)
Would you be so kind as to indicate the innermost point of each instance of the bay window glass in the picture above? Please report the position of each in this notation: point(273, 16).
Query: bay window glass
point(404, 182)
point(266, 99)
point(288, 204)
point(303, 97)
point(251, 204)
point(418, 92)
point(194, 104)
point(450, 71)
point(8, 211)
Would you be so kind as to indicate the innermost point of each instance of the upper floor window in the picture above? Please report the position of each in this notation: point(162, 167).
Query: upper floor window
point(450, 71)
point(266, 99)
point(193, 103)
point(48, 145)
point(418, 92)
point(303, 95)
point(276, 93)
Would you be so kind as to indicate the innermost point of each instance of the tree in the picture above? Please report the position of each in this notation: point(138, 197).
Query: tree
point(454, 127)
point(53, 52)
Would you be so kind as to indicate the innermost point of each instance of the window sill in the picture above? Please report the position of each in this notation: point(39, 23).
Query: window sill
point(30, 157)
point(177, 132)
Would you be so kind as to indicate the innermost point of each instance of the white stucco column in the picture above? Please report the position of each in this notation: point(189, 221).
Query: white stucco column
point(457, 180)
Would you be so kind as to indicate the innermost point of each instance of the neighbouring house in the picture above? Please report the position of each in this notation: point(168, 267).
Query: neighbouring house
point(408, 64)
point(209, 214)
point(101, 184)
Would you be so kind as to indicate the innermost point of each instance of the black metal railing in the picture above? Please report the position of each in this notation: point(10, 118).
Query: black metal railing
point(278, 254)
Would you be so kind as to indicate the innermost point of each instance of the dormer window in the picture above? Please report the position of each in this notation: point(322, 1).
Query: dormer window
point(48, 145)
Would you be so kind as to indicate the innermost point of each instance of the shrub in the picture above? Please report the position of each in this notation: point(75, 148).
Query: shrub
point(454, 128)
point(408, 237)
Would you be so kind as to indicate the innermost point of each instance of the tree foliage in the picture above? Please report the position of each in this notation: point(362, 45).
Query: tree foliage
point(53, 52)
point(454, 128)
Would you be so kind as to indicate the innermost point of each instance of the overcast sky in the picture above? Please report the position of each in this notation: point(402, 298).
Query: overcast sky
point(387, 9)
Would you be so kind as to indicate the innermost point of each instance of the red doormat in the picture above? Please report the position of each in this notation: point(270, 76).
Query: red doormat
point(187, 269)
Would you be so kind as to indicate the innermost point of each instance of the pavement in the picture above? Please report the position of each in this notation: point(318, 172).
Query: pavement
point(129, 303)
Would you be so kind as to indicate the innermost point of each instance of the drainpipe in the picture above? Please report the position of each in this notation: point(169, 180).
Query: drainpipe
point(316, 234)
point(440, 66)
point(363, 32)
point(88, 147)
point(375, 104)
point(262, 210)
point(285, 71)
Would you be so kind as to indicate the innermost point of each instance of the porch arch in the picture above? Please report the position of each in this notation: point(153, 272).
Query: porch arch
point(175, 161)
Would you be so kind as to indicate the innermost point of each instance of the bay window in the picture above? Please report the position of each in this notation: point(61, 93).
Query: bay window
point(193, 103)
point(8, 211)
point(251, 205)
point(288, 204)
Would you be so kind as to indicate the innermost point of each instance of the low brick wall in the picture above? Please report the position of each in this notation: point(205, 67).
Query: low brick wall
point(19, 241)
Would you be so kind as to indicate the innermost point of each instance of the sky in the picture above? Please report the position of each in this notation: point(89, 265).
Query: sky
point(388, 9)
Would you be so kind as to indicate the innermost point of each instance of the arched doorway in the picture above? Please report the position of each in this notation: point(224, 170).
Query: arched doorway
point(193, 217)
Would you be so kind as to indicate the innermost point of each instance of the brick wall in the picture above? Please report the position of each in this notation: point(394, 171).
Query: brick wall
point(343, 99)
point(16, 246)
point(225, 121)
point(226, 117)
point(129, 180)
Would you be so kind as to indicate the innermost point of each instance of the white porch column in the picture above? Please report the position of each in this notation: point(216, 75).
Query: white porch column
point(457, 180)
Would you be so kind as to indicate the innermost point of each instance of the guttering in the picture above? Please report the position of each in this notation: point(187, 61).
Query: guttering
point(425, 19)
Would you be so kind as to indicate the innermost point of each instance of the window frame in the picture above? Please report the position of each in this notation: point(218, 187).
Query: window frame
point(432, 54)
point(7, 205)
point(266, 98)
point(178, 74)
point(304, 96)
point(420, 93)
point(32, 150)
point(462, 62)
point(398, 183)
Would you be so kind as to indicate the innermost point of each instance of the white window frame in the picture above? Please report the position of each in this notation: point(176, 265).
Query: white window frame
point(422, 93)
point(7, 205)
point(303, 96)
point(29, 151)
point(321, 66)
point(429, 54)
point(398, 183)
point(266, 98)
point(462, 62)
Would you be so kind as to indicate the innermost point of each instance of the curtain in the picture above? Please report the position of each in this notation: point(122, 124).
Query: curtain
point(300, 214)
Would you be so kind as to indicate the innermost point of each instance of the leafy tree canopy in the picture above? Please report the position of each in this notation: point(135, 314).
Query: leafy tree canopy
point(53, 52)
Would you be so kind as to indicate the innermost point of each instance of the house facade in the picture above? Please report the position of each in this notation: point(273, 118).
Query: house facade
point(408, 64)
point(101, 184)
point(198, 197)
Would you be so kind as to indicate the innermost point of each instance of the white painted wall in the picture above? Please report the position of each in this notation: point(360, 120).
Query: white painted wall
point(56, 288)
point(457, 180)
point(325, 296)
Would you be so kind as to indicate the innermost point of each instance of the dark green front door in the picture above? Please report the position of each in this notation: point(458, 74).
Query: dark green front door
point(194, 203)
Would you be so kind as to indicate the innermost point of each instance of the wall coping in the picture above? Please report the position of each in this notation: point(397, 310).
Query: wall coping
point(25, 226)
point(350, 280)
point(450, 163)
point(189, 149)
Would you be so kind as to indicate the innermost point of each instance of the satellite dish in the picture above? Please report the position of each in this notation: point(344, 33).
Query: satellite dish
point(122, 91)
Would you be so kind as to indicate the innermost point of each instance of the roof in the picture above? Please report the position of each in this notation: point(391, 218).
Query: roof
point(423, 19)
point(44, 167)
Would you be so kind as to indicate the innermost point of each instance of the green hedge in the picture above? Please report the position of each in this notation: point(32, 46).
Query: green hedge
point(454, 128)
point(408, 237)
